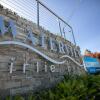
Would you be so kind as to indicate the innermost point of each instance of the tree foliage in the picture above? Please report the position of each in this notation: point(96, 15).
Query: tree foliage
point(71, 88)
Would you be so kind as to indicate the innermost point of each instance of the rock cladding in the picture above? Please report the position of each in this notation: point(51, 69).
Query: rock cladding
point(23, 70)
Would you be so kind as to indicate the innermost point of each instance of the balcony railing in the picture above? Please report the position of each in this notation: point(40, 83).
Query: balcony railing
point(39, 13)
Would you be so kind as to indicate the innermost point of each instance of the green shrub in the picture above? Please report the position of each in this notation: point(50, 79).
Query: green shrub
point(31, 97)
point(18, 97)
point(71, 88)
point(8, 98)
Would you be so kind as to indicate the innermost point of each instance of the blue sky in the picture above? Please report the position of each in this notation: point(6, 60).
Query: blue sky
point(85, 20)
point(82, 15)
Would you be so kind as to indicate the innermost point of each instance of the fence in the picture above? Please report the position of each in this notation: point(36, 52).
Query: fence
point(39, 13)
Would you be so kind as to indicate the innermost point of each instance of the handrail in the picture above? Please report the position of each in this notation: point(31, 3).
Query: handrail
point(40, 53)
point(53, 13)
point(39, 2)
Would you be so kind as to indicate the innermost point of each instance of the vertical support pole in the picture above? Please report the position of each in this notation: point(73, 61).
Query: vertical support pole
point(37, 13)
point(60, 27)
point(64, 32)
point(73, 36)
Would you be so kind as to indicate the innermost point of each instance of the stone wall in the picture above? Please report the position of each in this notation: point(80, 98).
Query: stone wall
point(39, 73)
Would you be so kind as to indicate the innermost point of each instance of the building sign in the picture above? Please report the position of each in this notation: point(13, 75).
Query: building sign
point(92, 64)
point(30, 41)
point(33, 58)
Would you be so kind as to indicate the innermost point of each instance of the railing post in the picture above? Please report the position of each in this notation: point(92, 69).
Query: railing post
point(73, 36)
point(64, 33)
point(60, 27)
point(59, 19)
point(37, 13)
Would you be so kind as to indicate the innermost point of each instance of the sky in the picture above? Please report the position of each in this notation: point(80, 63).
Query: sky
point(82, 15)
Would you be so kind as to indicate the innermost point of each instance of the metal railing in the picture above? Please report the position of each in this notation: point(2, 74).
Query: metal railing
point(39, 13)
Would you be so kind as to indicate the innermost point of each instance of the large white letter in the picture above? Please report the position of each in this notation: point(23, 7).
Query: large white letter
point(31, 37)
point(52, 45)
point(61, 47)
point(11, 65)
point(37, 65)
point(52, 67)
point(11, 28)
point(24, 67)
point(42, 41)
